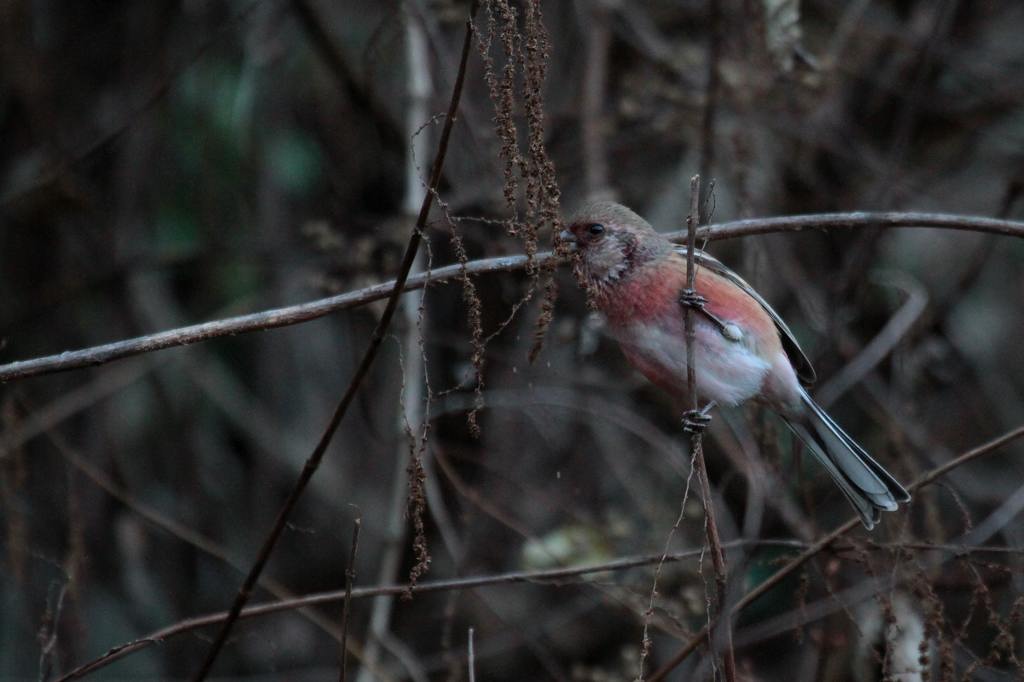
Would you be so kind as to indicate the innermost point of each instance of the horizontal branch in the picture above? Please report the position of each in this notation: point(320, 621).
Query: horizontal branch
point(548, 575)
point(241, 324)
point(556, 574)
point(552, 575)
point(304, 312)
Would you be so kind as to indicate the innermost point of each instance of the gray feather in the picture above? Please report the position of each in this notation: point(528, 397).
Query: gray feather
point(869, 487)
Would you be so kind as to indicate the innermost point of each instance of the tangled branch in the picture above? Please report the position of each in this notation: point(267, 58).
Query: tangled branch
point(556, 575)
point(823, 543)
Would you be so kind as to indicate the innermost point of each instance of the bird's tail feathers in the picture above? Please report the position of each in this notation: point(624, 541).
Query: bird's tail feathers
point(869, 487)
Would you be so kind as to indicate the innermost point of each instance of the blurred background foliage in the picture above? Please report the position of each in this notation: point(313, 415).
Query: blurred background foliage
point(163, 163)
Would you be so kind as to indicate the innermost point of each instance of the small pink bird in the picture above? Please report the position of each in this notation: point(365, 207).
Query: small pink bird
point(744, 351)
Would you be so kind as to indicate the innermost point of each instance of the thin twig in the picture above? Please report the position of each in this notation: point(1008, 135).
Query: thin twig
point(645, 639)
point(350, 577)
point(964, 547)
point(48, 417)
point(410, 422)
point(552, 575)
point(696, 439)
point(313, 463)
point(312, 310)
point(596, 17)
point(823, 543)
point(884, 342)
point(710, 109)
point(471, 656)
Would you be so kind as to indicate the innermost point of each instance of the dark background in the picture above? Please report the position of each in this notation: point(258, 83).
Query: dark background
point(164, 163)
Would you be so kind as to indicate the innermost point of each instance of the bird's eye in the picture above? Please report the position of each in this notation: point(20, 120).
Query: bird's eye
point(595, 229)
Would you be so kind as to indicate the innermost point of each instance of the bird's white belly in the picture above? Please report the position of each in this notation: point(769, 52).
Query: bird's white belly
point(729, 372)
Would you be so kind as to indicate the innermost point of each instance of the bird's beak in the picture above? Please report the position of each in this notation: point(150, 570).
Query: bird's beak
point(569, 239)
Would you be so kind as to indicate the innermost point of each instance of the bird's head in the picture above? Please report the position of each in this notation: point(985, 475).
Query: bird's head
point(610, 242)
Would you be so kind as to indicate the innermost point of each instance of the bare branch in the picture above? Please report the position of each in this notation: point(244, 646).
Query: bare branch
point(548, 575)
point(350, 576)
point(898, 326)
point(597, 18)
point(305, 312)
point(697, 437)
point(710, 108)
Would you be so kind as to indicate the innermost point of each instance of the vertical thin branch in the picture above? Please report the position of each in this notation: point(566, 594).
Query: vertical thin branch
point(595, 85)
point(350, 577)
point(313, 463)
point(707, 124)
point(696, 444)
point(419, 86)
point(692, 221)
point(472, 657)
point(645, 640)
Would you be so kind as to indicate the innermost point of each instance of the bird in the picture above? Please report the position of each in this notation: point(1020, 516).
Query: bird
point(743, 351)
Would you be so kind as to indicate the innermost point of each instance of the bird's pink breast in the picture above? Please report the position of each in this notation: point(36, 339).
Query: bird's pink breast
point(654, 293)
point(650, 294)
point(645, 314)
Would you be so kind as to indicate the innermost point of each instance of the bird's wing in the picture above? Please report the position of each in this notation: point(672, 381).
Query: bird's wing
point(803, 367)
